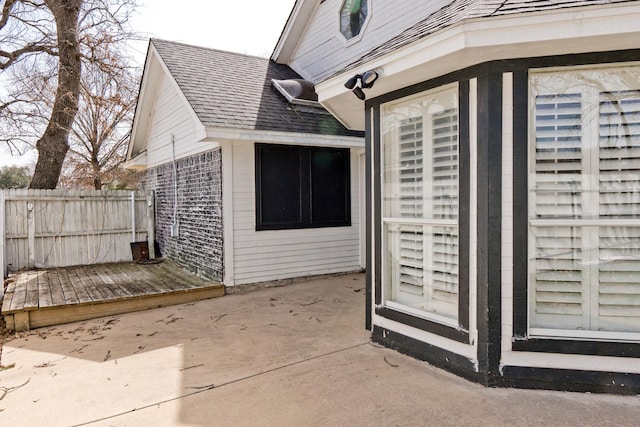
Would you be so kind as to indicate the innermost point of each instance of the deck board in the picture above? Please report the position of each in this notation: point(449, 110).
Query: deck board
point(81, 292)
point(57, 293)
point(44, 290)
point(105, 277)
point(105, 290)
point(61, 295)
point(19, 293)
point(94, 292)
point(70, 296)
point(32, 294)
point(135, 283)
point(6, 301)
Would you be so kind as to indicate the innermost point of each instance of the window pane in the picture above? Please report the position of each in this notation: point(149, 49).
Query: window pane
point(420, 204)
point(422, 268)
point(584, 202)
point(420, 145)
point(619, 277)
point(302, 187)
point(280, 181)
point(353, 14)
point(329, 184)
point(619, 154)
point(558, 296)
point(558, 153)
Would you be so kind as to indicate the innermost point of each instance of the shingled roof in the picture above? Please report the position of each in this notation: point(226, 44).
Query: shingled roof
point(461, 10)
point(233, 90)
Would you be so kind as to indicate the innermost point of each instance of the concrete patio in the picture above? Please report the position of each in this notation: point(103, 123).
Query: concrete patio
point(296, 355)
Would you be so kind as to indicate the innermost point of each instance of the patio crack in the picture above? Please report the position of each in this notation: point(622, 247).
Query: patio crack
point(204, 388)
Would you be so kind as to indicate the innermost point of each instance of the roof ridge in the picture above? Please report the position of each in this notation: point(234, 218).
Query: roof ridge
point(210, 49)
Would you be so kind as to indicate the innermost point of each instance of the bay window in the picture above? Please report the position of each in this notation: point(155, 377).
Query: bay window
point(584, 203)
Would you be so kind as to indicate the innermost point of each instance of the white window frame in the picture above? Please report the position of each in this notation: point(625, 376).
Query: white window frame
point(575, 80)
point(425, 222)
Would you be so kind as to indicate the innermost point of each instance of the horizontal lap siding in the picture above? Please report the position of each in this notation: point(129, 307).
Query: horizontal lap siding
point(172, 117)
point(322, 50)
point(261, 256)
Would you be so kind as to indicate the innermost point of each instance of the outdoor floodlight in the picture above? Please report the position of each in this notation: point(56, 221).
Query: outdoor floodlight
point(359, 93)
point(351, 83)
point(366, 81)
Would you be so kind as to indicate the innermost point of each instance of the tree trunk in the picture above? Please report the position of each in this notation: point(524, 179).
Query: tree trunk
point(54, 143)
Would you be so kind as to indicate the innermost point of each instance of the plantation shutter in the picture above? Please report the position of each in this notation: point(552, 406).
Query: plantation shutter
point(429, 254)
point(584, 249)
point(411, 205)
point(420, 205)
point(445, 206)
point(558, 194)
point(619, 198)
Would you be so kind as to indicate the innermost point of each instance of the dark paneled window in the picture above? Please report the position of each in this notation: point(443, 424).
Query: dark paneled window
point(302, 187)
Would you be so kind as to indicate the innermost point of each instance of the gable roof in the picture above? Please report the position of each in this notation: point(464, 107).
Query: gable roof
point(232, 90)
point(460, 10)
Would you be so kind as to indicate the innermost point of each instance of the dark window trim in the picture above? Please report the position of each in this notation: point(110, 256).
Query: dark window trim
point(569, 380)
point(489, 219)
point(306, 217)
point(591, 348)
point(440, 329)
point(521, 340)
point(420, 350)
point(459, 333)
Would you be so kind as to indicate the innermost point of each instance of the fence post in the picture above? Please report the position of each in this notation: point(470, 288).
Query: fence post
point(151, 225)
point(133, 216)
point(31, 234)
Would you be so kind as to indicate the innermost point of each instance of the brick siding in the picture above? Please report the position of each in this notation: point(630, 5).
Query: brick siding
point(198, 246)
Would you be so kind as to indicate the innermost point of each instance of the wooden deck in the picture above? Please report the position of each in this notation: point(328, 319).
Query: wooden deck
point(62, 295)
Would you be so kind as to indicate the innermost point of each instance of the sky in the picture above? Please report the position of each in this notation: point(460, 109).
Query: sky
point(245, 26)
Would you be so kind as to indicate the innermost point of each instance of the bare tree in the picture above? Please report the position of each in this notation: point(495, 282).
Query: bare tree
point(100, 133)
point(51, 44)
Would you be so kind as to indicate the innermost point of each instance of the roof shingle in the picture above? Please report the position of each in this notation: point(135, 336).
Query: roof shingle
point(460, 10)
point(233, 90)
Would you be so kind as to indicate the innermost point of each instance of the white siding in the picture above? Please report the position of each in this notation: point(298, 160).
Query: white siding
point(172, 115)
point(261, 256)
point(322, 50)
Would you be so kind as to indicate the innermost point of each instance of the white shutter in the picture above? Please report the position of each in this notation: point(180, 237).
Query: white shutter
point(428, 255)
point(411, 260)
point(420, 196)
point(585, 205)
point(619, 198)
point(559, 300)
point(411, 168)
point(445, 206)
point(558, 156)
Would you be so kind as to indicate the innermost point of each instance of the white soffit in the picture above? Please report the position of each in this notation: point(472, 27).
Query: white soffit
point(471, 42)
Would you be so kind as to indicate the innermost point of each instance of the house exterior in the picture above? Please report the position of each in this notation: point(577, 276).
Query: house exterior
point(503, 178)
point(254, 181)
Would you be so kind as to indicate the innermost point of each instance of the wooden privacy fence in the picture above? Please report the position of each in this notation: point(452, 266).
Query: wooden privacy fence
point(59, 228)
